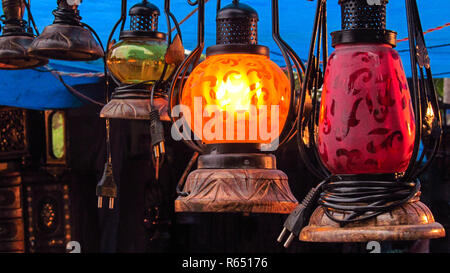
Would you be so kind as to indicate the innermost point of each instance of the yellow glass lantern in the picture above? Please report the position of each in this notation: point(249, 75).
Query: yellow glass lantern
point(136, 62)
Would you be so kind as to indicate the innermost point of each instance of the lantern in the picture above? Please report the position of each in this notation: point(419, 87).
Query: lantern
point(136, 62)
point(16, 38)
point(67, 38)
point(369, 126)
point(140, 64)
point(234, 91)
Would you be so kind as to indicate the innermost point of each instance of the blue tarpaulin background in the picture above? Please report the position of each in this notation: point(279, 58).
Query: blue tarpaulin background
point(40, 90)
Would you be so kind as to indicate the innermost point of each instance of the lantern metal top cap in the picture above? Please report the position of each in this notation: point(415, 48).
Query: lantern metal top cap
point(363, 21)
point(143, 22)
point(363, 14)
point(236, 29)
point(144, 8)
point(237, 10)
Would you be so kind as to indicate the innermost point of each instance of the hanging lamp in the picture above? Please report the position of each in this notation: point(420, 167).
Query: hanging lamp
point(67, 38)
point(364, 138)
point(16, 38)
point(136, 63)
point(234, 91)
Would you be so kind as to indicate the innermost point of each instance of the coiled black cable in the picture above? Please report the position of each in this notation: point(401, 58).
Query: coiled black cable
point(363, 200)
point(66, 16)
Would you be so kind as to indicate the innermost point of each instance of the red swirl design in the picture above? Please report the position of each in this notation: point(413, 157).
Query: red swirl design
point(366, 123)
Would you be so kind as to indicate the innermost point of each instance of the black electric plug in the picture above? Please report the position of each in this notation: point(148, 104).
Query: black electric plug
point(299, 216)
point(157, 139)
point(107, 187)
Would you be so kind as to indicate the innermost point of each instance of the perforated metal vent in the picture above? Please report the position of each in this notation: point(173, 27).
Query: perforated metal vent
point(144, 17)
point(237, 31)
point(237, 23)
point(363, 14)
point(144, 23)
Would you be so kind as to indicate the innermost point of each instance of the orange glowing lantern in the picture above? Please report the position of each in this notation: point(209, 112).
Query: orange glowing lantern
point(239, 93)
point(238, 103)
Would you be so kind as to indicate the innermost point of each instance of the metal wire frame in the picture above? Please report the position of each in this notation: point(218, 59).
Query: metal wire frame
point(191, 60)
point(289, 129)
point(307, 128)
point(30, 16)
point(422, 93)
point(169, 15)
point(290, 126)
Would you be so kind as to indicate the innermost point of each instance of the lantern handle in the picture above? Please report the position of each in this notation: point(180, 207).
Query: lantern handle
point(288, 54)
point(169, 16)
point(311, 84)
point(30, 16)
point(191, 60)
point(423, 95)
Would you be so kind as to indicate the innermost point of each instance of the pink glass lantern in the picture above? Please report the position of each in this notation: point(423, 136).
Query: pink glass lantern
point(366, 121)
point(364, 139)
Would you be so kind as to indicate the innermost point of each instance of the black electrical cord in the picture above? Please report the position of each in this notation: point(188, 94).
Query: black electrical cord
point(66, 16)
point(182, 180)
point(362, 200)
point(350, 198)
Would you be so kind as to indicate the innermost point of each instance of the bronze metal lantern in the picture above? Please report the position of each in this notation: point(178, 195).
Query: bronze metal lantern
point(67, 38)
point(140, 64)
point(136, 63)
point(16, 38)
point(364, 138)
point(235, 173)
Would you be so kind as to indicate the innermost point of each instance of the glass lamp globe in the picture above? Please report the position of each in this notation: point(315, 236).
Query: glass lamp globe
point(249, 88)
point(134, 60)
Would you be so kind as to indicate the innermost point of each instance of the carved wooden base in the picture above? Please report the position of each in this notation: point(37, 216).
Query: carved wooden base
point(411, 221)
point(237, 190)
